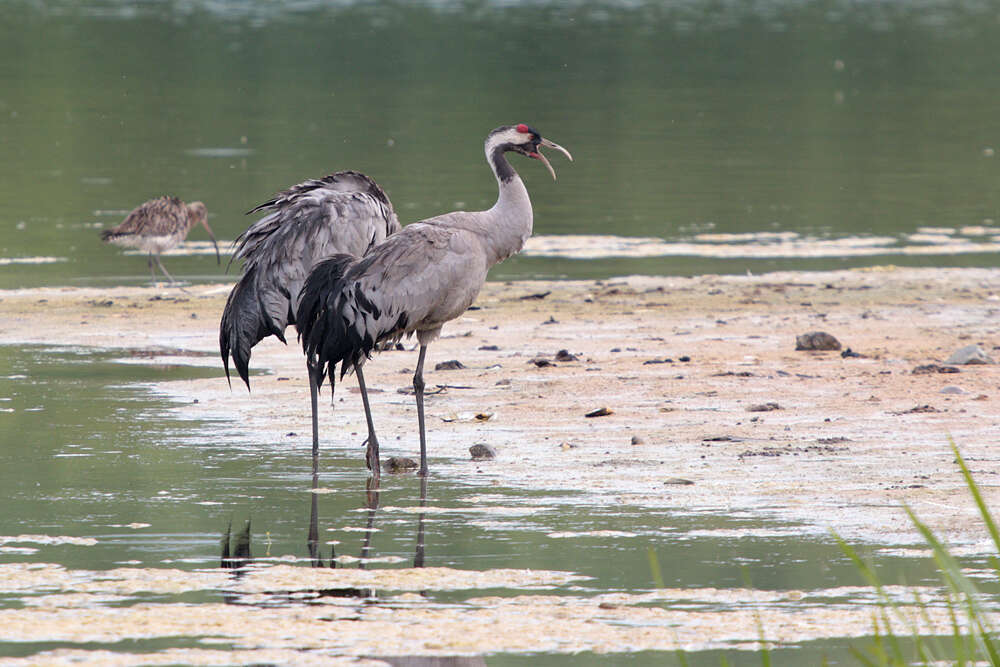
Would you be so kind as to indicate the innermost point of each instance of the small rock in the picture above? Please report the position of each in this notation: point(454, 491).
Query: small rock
point(816, 340)
point(684, 358)
point(970, 354)
point(539, 295)
point(599, 412)
point(505, 382)
point(934, 368)
point(764, 407)
point(679, 481)
point(665, 360)
point(489, 348)
point(564, 355)
point(551, 320)
point(952, 389)
point(566, 446)
point(450, 365)
point(541, 363)
point(398, 464)
point(851, 354)
point(636, 440)
point(482, 453)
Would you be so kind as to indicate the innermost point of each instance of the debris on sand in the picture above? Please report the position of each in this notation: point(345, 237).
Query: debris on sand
point(564, 355)
point(764, 407)
point(934, 368)
point(599, 412)
point(816, 340)
point(450, 365)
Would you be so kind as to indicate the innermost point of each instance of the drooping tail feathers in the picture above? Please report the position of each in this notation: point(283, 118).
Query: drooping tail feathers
point(111, 234)
point(327, 337)
point(246, 321)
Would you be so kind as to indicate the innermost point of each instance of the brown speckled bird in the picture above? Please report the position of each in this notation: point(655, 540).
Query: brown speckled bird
point(157, 225)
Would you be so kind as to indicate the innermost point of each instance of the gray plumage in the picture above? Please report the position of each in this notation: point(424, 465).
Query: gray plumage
point(418, 279)
point(158, 225)
point(345, 212)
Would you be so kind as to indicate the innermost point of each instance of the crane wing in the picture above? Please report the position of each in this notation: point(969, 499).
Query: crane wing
point(309, 222)
point(415, 281)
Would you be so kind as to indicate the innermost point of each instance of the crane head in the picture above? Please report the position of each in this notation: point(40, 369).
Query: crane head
point(526, 140)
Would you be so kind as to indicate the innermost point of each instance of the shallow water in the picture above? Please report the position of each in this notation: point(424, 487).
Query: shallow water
point(833, 121)
point(109, 477)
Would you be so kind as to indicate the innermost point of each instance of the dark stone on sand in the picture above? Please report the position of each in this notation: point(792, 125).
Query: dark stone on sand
point(764, 407)
point(678, 481)
point(398, 464)
point(816, 340)
point(482, 452)
point(636, 440)
point(564, 355)
point(489, 348)
point(450, 365)
point(851, 354)
point(541, 363)
point(968, 355)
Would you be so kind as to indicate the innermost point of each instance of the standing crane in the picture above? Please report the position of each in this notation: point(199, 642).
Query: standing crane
point(345, 212)
point(157, 225)
point(427, 274)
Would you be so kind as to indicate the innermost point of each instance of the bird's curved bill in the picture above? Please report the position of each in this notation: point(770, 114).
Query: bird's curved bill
point(550, 144)
point(218, 257)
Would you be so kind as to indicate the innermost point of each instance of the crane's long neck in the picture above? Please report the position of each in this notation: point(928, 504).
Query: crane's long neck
point(510, 219)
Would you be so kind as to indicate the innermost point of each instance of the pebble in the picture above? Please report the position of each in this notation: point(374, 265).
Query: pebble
point(482, 452)
point(599, 412)
point(636, 440)
point(398, 464)
point(679, 481)
point(816, 340)
point(970, 354)
point(450, 365)
point(952, 389)
point(564, 355)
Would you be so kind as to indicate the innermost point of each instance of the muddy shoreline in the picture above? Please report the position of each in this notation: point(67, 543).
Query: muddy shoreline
point(681, 364)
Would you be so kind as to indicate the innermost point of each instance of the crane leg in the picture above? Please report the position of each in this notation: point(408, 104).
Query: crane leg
point(371, 453)
point(418, 390)
point(314, 400)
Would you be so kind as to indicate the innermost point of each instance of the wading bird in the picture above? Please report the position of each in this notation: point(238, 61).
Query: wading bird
point(345, 212)
point(157, 225)
point(418, 279)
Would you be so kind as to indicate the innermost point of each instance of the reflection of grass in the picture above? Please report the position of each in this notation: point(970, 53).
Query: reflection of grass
point(972, 638)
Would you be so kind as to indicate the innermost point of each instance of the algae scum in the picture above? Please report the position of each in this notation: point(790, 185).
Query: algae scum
point(114, 509)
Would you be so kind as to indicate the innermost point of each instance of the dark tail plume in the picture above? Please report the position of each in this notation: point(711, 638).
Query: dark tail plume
point(324, 333)
point(244, 324)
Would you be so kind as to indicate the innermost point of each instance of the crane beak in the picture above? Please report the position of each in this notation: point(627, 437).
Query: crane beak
point(218, 258)
point(550, 144)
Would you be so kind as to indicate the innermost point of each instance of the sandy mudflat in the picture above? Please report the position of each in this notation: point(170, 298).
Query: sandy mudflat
point(844, 448)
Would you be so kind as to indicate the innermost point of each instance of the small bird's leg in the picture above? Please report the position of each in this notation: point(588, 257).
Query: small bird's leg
point(371, 454)
point(162, 268)
point(152, 271)
point(418, 390)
